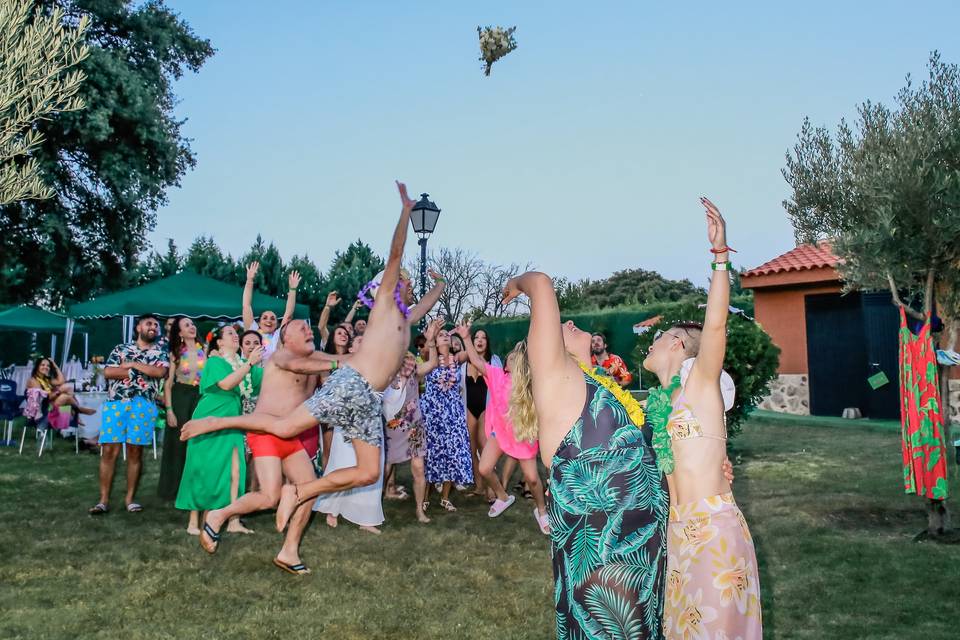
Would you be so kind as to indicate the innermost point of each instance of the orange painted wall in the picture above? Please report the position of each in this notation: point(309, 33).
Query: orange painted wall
point(782, 314)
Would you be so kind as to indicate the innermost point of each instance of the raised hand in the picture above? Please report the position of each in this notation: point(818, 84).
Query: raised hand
point(463, 331)
point(293, 280)
point(433, 329)
point(435, 276)
point(511, 291)
point(252, 269)
point(716, 225)
point(332, 299)
point(404, 198)
point(255, 356)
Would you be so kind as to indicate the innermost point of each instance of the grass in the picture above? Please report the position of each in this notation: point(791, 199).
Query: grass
point(833, 530)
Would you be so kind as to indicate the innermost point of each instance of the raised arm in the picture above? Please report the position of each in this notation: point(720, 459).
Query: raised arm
point(429, 299)
point(473, 357)
point(293, 281)
point(59, 379)
point(353, 311)
point(252, 269)
point(391, 273)
point(545, 338)
point(433, 360)
point(713, 341)
point(332, 300)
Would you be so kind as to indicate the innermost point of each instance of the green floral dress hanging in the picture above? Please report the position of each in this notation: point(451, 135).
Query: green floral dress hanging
point(921, 416)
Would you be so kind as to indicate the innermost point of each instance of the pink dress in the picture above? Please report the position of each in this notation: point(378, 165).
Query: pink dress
point(496, 423)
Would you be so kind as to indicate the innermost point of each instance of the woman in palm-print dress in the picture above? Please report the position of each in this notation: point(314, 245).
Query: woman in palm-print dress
point(608, 501)
point(445, 419)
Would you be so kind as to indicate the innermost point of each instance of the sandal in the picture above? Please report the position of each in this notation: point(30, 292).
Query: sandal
point(98, 509)
point(214, 536)
point(298, 569)
point(134, 507)
point(424, 505)
point(543, 521)
point(500, 506)
point(446, 504)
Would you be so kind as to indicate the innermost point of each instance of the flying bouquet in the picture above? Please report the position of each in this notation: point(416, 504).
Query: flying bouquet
point(495, 42)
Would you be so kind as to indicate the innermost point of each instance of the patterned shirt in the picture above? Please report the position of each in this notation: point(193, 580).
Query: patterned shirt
point(616, 367)
point(136, 384)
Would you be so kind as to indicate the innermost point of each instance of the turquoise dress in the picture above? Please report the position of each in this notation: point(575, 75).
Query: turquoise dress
point(608, 508)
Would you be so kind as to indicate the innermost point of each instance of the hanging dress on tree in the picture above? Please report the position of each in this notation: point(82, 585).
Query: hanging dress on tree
point(921, 415)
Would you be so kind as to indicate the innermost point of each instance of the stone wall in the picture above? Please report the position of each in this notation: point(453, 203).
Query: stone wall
point(790, 393)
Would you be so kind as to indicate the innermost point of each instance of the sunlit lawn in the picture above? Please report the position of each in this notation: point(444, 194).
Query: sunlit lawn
point(833, 529)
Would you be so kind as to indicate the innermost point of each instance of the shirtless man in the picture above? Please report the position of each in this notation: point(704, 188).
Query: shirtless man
point(351, 397)
point(281, 391)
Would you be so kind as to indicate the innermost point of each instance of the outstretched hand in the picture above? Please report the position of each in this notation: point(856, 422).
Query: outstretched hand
point(252, 269)
point(463, 331)
point(716, 225)
point(404, 198)
point(511, 291)
point(332, 299)
point(433, 329)
point(293, 280)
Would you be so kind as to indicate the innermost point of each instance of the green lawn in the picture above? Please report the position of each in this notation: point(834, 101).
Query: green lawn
point(833, 530)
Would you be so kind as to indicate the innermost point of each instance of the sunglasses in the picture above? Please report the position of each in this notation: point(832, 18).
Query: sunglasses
point(660, 333)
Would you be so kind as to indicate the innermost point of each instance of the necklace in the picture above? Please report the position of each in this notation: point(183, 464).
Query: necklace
point(448, 374)
point(246, 383)
point(659, 408)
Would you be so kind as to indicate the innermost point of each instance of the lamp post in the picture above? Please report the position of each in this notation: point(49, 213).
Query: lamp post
point(424, 217)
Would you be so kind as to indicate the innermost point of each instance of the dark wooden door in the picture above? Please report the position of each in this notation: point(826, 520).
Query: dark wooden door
point(881, 324)
point(836, 353)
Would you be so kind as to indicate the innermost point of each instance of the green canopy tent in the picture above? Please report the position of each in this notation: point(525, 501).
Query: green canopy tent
point(33, 320)
point(185, 293)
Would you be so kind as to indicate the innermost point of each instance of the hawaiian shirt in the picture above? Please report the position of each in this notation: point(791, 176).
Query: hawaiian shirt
point(136, 384)
point(616, 367)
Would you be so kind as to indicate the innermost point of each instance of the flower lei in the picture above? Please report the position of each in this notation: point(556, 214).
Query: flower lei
point(448, 377)
point(246, 383)
point(634, 410)
point(185, 363)
point(659, 408)
point(366, 300)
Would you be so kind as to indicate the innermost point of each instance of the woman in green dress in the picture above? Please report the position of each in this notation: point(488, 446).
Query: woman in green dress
point(215, 471)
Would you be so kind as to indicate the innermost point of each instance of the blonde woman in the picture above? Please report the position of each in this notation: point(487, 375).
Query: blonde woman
point(502, 436)
point(608, 500)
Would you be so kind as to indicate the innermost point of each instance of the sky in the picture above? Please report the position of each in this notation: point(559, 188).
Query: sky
point(583, 153)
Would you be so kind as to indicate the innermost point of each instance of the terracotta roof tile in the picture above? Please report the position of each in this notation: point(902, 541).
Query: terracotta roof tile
point(806, 256)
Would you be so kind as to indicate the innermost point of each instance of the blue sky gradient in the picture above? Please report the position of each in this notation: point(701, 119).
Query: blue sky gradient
point(583, 153)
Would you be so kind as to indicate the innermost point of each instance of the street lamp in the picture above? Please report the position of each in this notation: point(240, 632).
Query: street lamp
point(424, 217)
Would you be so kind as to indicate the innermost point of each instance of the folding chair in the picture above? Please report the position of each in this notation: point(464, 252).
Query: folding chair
point(41, 426)
point(9, 408)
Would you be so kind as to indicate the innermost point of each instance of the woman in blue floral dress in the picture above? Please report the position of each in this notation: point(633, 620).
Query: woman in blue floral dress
point(445, 419)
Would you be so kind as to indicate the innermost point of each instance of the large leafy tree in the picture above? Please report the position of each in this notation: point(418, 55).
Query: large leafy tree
point(886, 192)
point(626, 287)
point(110, 164)
point(205, 257)
point(35, 82)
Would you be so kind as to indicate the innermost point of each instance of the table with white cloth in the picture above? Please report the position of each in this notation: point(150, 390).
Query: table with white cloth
point(90, 429)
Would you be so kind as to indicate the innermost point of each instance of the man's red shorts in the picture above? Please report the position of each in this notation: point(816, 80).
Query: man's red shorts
point(266, 445)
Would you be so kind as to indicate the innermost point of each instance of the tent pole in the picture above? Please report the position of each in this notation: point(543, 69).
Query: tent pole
point(86, 348)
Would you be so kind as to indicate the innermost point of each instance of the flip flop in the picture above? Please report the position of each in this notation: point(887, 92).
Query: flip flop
point(134, 507)
point(295, 569)
point(543, 521)
point(98, 509)
point(211, 546)
point(501, 505)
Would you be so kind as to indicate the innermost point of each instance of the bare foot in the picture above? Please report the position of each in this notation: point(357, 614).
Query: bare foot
point(422, 517)
point(332, 521)
point(195, 428)
point(287, 505)
point(371, 530)
point(193, 531)
point(235, 526)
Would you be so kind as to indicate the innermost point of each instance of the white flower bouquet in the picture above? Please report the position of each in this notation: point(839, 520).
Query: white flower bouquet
point(495, 42)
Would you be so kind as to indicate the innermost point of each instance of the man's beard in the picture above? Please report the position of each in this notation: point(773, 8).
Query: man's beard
point(596, 352)
point(146, 337)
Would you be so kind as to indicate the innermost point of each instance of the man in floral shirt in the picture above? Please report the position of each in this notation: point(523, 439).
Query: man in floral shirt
point(614, 364)
point(134, 370)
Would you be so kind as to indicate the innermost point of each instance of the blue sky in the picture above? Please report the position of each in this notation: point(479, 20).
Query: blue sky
point(583, 153)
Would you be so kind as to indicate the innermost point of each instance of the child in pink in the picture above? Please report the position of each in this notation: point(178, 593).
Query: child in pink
point(501, 438)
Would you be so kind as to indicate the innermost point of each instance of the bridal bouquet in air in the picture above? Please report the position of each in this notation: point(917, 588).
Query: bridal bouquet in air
point(495, 42)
